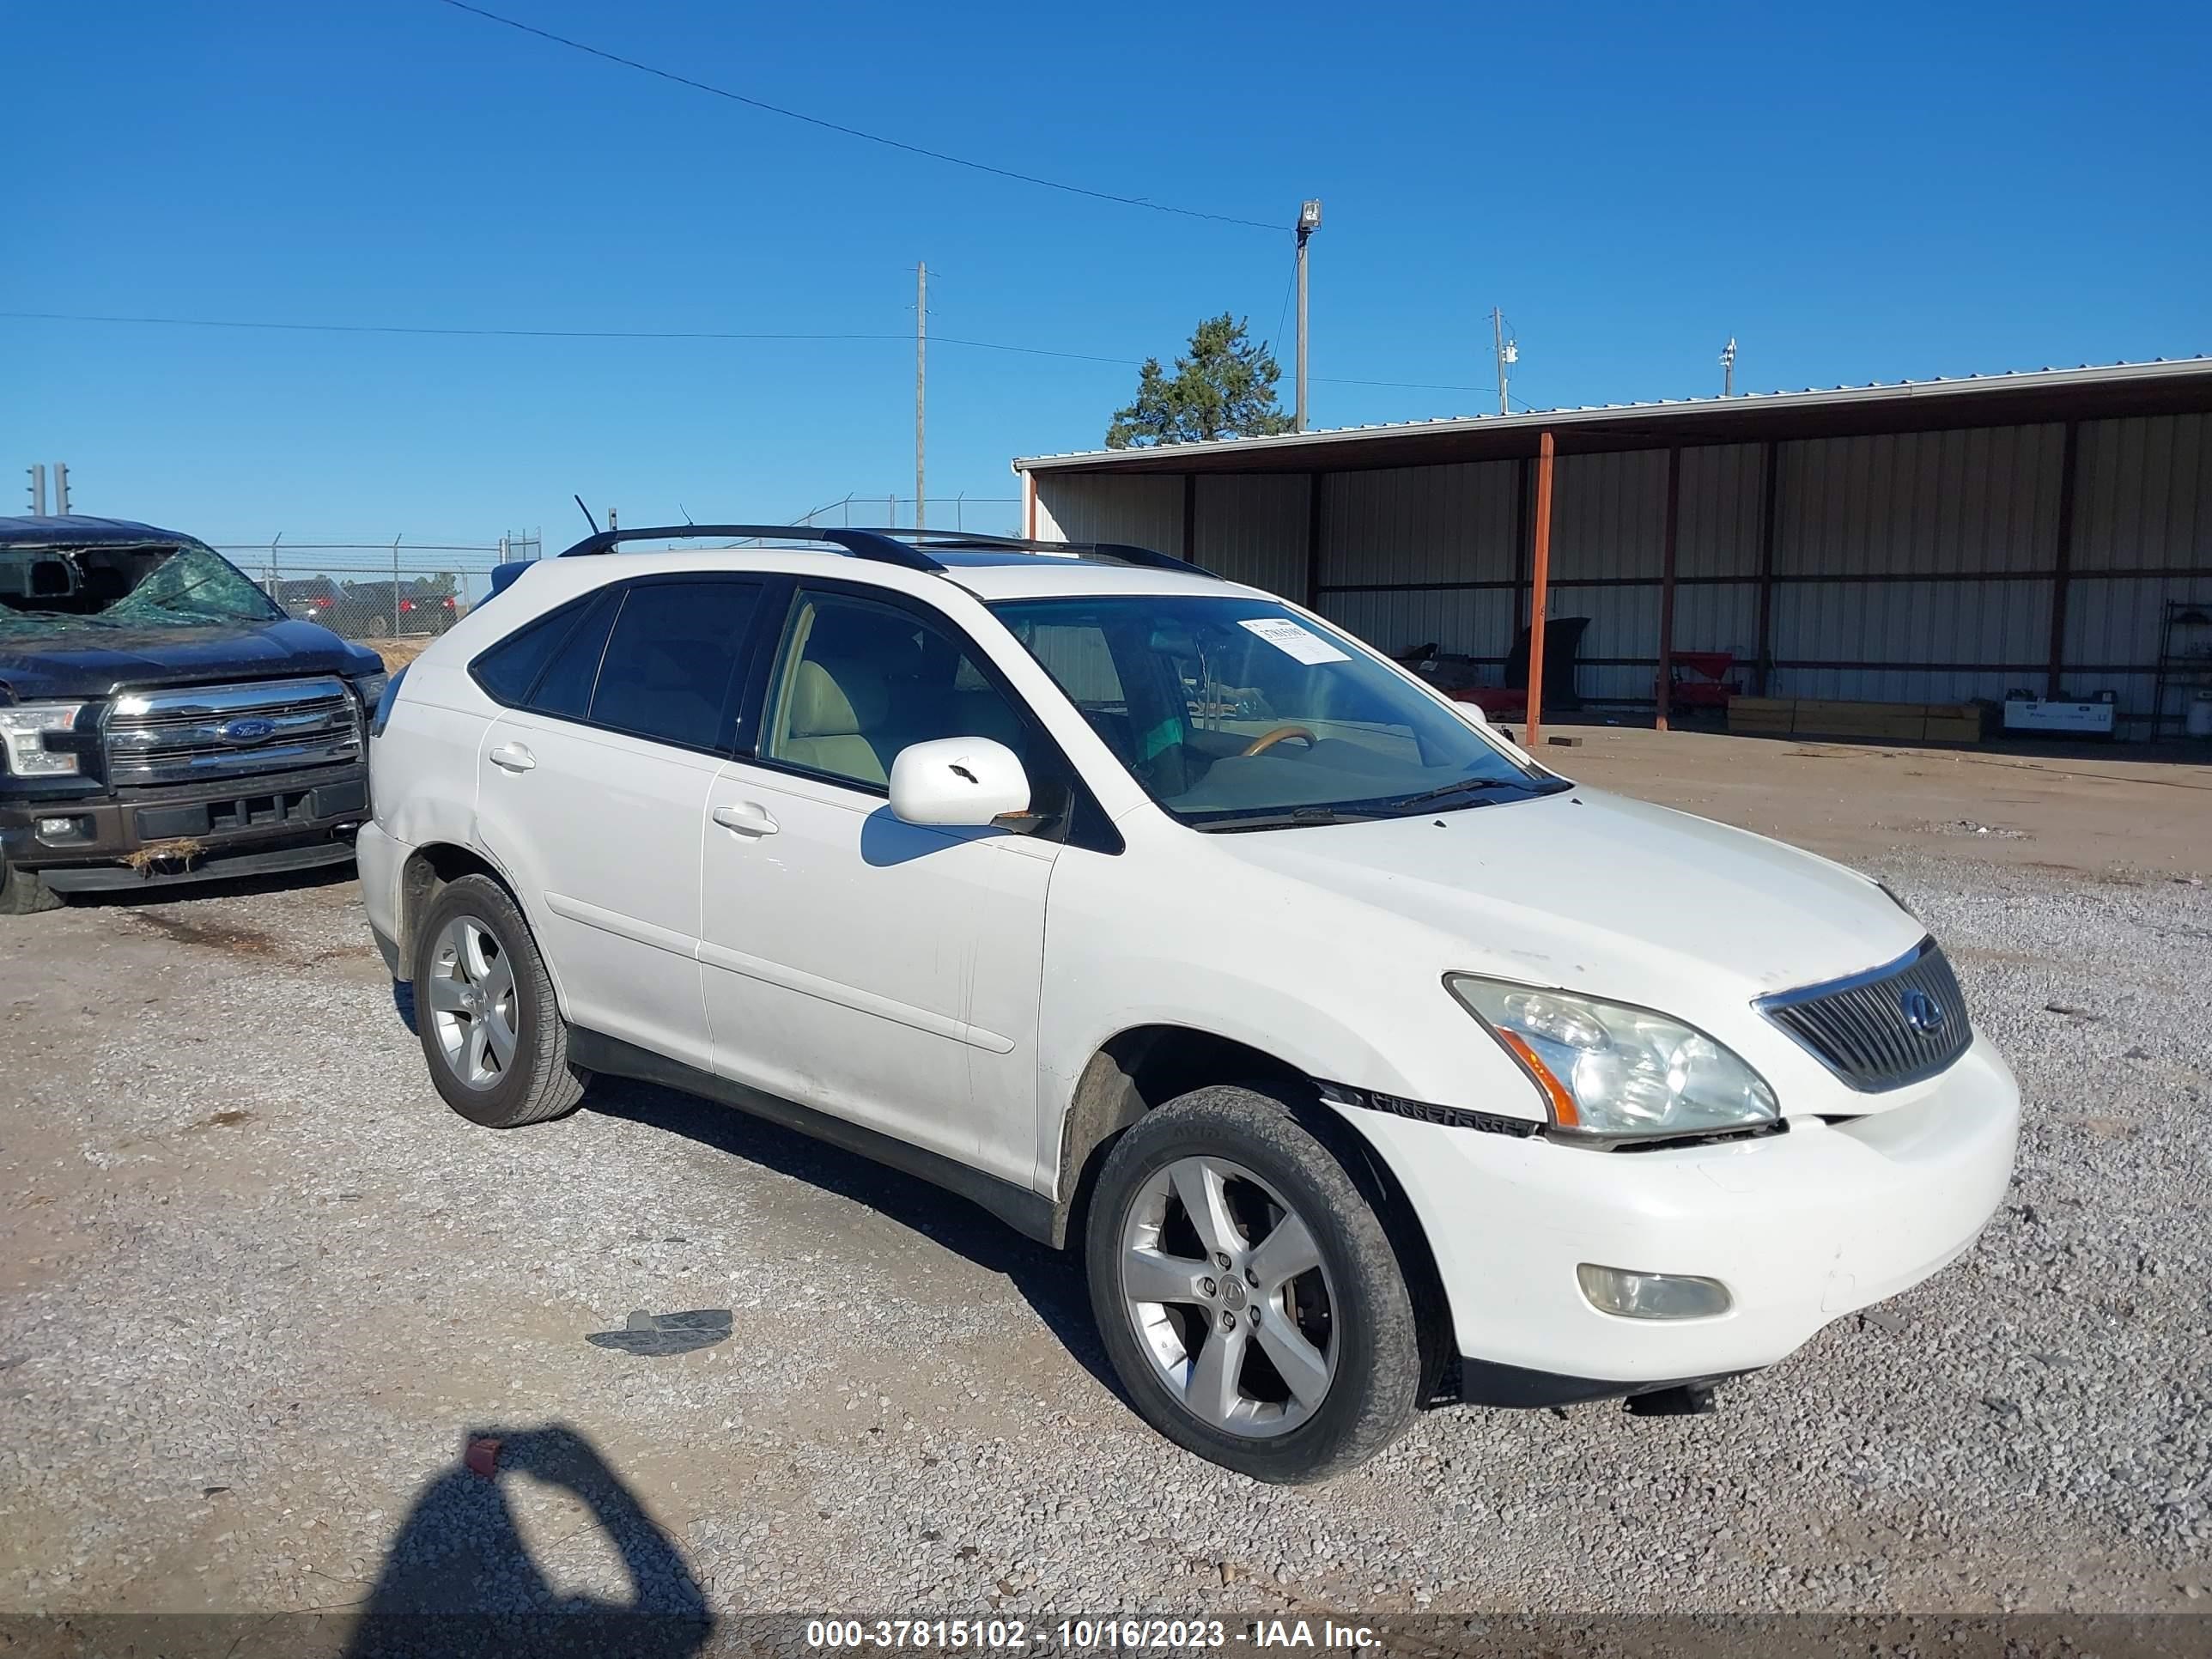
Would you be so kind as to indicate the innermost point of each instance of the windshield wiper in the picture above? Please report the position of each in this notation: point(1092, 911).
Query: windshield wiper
point(1464, 787)
point(1299, 819)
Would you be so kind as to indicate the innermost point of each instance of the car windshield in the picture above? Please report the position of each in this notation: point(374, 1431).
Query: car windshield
point(47, 590)
point(1237, 714)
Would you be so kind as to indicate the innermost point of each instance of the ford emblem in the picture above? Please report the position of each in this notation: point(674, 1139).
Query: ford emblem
point(1922, 1011)
point(252, 729)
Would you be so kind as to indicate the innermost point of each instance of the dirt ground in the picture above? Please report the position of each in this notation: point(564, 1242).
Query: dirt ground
point(2063, 811)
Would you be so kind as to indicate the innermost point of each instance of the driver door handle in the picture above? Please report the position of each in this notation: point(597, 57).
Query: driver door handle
point(511, 758)
point(750, 820)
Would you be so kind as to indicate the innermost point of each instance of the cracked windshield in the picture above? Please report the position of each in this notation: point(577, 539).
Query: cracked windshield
point(164, 584)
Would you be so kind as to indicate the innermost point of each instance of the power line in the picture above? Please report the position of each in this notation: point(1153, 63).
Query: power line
point(854, 132)
point(651, 334)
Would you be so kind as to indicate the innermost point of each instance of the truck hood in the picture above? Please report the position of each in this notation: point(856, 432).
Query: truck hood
point(97, 662)
point(1601, 894)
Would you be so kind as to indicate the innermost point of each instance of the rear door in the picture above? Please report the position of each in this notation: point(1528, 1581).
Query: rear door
point(592, 790)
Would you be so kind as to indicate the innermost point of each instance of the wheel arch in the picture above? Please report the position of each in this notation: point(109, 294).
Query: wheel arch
point(434, 866)
point(1145, 1067)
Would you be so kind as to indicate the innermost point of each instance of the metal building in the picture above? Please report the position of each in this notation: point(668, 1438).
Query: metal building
point(1927, 542)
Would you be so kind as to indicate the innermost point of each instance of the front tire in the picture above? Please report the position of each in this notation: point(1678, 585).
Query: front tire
point(25, 892)
point(485, 1007)
point(1247, 1292)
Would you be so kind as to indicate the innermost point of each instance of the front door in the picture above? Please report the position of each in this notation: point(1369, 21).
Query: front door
point(884, 972)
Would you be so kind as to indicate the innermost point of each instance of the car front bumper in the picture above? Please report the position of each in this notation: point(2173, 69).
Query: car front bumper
point(195, 832)
point(1801, 1227)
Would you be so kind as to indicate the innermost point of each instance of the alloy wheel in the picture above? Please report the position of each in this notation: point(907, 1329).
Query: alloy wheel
point(472, 1003)
point(1224, 1287)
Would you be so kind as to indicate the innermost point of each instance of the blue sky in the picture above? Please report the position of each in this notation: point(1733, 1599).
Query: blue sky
point(1856, 193)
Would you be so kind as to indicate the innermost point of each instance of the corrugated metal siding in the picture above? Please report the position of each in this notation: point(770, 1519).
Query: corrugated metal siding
point(1431, 524)
point(1476, 622)
point(2144, 496)
point(1998, 632)
point(1251, 527)
point(1145, 509)
point(1919, 503)
point(1608, 516)
point(1722, 616)
point(1624, 623)
point(1721, 511)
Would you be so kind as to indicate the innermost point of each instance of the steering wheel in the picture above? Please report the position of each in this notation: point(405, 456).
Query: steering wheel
point(1267, 740)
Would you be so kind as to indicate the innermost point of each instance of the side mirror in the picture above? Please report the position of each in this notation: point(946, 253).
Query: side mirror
point(958, 781)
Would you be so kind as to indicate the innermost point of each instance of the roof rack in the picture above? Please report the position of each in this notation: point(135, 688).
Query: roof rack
point(908, 548)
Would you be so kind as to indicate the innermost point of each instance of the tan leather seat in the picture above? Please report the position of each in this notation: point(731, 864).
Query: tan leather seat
point(833, 709)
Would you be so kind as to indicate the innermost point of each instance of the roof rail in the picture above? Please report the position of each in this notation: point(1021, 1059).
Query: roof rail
point(908, 548)
point(862, 543)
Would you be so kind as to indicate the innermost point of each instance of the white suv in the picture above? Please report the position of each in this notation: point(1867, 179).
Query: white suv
point(1368, 1062)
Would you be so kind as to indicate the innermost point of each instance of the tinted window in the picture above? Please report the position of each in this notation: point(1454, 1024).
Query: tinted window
point(857, 682)
point(566, 688)
point(509, 668)
point(668, 665)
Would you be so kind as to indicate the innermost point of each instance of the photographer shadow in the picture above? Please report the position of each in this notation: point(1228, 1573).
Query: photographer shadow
point(459, 1577)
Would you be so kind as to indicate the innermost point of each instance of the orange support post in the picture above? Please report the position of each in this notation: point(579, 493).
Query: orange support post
point(1663, 689)
point(1539, 580)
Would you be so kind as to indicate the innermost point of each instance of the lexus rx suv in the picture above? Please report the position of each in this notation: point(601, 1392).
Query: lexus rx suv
point(1368, 1063)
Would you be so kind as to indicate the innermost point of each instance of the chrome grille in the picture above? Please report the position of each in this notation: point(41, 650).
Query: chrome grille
point(182, 734)
point(1883, 1028)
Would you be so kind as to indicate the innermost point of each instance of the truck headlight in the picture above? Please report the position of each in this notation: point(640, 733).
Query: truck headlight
point(24, 729)
point(369, 688)
point(1606, 1069)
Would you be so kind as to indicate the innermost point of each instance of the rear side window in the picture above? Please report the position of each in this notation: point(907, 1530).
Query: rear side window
point(565, 689)
point(510, 669)
point(669, 662)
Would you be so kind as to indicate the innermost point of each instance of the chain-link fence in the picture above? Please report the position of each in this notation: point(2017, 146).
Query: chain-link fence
point(401, 590)
point(378, 590)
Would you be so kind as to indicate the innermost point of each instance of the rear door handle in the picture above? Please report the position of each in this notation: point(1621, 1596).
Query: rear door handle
point(750, 820)
point(511, 758)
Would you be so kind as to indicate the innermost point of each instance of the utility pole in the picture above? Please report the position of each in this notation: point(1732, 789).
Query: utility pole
point(1727, 369)
point(921, 379)
point(1309, 221)
point(38, 472)
point(1508, 353)
point(61, 490)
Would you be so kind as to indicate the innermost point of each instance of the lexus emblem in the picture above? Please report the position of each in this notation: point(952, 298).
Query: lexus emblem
point(1922, 1011)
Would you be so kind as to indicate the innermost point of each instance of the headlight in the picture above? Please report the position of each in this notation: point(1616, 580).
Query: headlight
point(369, 688)
point(24, 728)
point(1608, 1069)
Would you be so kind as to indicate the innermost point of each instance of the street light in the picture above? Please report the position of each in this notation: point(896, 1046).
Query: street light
point(1309, 221)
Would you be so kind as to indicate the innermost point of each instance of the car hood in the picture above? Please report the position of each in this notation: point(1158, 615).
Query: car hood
point(94, 661)
point(1601, 894)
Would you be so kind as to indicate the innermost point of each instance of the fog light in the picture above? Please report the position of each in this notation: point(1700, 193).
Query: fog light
point(52, 829)
point(1651, 1296)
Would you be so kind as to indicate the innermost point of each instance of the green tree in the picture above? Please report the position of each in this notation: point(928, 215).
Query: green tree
point(1223, 387)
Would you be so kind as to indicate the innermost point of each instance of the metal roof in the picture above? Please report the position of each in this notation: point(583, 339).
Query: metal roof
point(2091, 392)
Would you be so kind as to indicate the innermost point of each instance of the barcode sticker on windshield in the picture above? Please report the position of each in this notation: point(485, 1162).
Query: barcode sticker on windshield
point(1302, 643)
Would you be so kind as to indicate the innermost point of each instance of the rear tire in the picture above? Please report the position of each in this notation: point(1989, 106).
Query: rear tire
point(1300, 1358)
point(485, 1007)
point(25, 892)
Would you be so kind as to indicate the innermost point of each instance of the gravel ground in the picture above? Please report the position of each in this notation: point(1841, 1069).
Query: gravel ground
point(259, 1288)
